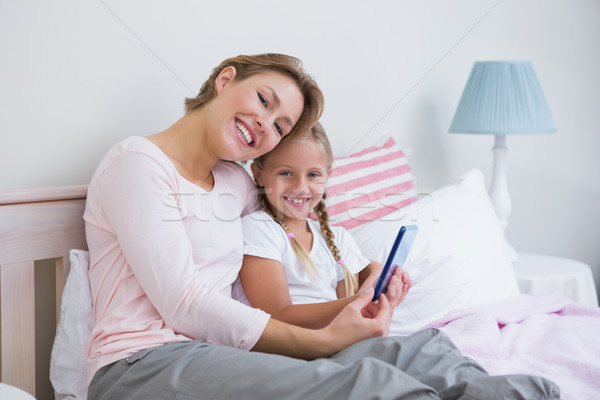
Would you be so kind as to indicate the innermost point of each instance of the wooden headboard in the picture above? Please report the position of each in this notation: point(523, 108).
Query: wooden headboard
point(38, 227)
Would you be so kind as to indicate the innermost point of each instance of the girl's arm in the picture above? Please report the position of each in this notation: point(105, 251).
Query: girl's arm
point(266, 287)
point(365, 278)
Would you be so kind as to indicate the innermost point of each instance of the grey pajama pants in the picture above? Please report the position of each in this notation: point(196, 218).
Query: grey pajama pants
point(425, 365)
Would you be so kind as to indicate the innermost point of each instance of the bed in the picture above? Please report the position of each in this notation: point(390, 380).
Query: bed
point(39, 228)
point(461, 267)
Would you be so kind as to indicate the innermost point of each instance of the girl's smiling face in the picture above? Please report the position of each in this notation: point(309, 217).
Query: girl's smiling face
point(252, 115)
point(293, 177)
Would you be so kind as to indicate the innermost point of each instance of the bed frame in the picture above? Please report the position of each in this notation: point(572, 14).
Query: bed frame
point(38, 227)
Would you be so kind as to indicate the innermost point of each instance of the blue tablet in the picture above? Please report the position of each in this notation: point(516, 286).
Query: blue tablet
point(397, 257)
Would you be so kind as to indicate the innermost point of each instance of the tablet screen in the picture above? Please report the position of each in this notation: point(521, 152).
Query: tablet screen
point(397, 257)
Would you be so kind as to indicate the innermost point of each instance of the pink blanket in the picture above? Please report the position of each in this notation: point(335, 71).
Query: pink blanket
point(536, 335)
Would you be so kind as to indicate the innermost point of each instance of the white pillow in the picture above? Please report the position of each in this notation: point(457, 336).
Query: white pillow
point(69, 351)
point(459, 258)
point(13, 393)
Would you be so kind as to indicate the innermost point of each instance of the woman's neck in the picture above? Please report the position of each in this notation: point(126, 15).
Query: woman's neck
point(187, 144)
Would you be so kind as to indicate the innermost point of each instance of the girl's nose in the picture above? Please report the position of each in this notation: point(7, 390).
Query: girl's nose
point(299, 183)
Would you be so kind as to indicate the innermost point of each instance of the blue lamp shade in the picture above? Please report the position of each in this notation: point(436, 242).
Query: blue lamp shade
point(502, 98)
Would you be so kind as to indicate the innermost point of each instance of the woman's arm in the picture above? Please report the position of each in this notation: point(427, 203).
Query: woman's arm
point(136, 235)
point(359, 320)
point(266, 287)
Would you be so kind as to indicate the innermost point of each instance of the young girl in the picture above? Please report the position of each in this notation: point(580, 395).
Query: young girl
point(311, 269)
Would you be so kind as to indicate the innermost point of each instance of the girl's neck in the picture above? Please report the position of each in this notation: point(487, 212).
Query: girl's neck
point(301, 231)
point(296, 226)
point(187, 144)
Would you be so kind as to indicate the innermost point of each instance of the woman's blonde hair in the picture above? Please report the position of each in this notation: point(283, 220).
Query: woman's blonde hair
point(249, 65)
point(318, 136)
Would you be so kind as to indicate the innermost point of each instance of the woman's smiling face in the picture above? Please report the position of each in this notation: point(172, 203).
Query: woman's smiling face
point(255, 113)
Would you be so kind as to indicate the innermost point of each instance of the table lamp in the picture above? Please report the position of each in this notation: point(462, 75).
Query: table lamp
point(502, 98)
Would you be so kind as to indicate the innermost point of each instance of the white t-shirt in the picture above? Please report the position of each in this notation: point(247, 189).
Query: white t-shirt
point(263, 237)
point(164, 253)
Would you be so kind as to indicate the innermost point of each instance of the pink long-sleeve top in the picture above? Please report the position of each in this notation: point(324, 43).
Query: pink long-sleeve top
point(163, 255)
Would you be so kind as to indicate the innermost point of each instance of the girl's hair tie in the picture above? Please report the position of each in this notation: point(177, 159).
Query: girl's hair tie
point(340, 261)
point(290, 235)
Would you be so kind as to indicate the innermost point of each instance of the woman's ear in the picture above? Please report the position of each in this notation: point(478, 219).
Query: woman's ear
point(257, 172)
point(226, 76)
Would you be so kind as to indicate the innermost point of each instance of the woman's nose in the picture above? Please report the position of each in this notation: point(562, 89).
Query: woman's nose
point(263, 124)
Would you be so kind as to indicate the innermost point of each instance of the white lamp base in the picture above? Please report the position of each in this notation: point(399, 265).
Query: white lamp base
point(498, 187)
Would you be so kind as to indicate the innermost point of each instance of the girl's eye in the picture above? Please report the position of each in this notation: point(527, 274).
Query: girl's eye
point(285, 173)
point(262, 99)
point(314, 175)
point(279, 129)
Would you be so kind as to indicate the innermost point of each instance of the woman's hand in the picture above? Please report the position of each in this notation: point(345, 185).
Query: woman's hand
point(362, 319)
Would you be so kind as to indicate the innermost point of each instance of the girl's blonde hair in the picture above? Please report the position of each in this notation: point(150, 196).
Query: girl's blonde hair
point(318, 136)
point(249, 65)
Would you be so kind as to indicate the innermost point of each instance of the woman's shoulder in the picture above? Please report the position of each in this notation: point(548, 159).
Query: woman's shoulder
point(135, 152)
point(135, 145)
point(232, 168)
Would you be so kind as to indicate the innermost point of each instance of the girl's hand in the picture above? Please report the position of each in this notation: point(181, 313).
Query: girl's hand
point(400, 284)
point(398, 287)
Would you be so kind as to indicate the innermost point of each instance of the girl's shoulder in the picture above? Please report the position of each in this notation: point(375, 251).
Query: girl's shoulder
point(338, 231)
point(258, 217)
point(259, 224)
point(314, 225)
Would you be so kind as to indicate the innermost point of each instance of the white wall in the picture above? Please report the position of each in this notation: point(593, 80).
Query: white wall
point(78, 76)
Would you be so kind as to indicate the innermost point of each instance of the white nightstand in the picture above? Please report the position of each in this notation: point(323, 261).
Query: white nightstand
point(569, 279)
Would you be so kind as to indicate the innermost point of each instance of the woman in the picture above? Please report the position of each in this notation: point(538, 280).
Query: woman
point(164, 233)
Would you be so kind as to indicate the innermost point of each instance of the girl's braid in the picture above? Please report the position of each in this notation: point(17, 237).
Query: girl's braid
point(329, 236)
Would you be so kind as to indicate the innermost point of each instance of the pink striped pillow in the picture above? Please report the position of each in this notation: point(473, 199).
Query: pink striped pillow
point(369, 185)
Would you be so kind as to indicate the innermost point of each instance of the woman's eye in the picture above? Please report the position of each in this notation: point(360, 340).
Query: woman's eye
point(279, 129)
point(262, 99)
